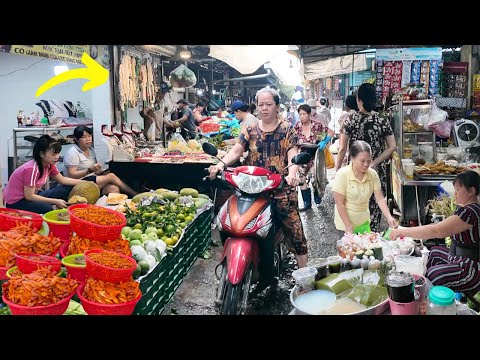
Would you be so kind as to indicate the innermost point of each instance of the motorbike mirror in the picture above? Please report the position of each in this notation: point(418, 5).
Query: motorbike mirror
point(209, 149)
point(301, 158)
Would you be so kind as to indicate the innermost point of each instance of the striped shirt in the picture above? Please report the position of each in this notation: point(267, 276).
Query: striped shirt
point(26, 175)
point(469, 214)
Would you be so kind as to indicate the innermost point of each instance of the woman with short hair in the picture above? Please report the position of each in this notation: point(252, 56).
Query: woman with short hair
point(352, 189)
point(370, 126)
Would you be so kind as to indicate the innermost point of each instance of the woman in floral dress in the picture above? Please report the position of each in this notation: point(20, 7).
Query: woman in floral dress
point(368, 125)
point(312, 132)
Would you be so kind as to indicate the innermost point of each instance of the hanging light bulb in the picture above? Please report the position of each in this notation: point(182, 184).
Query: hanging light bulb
point(185, 53)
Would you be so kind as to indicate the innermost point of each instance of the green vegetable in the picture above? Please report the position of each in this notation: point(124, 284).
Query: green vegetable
point(74, 308)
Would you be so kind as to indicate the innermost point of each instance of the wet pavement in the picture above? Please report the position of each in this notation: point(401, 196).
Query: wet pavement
point(196, 294)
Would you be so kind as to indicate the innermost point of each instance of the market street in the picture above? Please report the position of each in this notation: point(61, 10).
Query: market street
point(196, 294)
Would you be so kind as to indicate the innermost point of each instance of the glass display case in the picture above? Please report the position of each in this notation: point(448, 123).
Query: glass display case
point(409, 120)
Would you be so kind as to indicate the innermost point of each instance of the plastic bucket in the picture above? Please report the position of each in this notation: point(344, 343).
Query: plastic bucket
point(410, 308)
point(58, 228)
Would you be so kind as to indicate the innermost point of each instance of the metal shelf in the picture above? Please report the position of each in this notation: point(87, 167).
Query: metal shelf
point(33, 129)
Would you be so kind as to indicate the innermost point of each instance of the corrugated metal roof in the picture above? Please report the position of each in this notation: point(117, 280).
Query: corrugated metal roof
point(313, 53)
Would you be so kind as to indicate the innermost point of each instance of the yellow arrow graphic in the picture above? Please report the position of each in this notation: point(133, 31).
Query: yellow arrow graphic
point(94, 72)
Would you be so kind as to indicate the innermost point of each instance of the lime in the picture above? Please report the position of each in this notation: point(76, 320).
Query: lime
point(188, 219)
point(169, 241)
point(181, 217)
point(137, 272)
point(174, 239)
point(138, 226)
point(144, 266)
point(160, 233)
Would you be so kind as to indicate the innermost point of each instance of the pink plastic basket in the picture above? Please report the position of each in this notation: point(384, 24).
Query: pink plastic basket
point(29, 262)
point(52, 309)
point(88, 230)
point(110, 274)
point(94, 308)
point(10, 221)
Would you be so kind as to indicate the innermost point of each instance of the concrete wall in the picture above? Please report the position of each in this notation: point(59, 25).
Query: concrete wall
point(20, 77)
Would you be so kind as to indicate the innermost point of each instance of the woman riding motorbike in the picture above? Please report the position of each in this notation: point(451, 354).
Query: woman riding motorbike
point(272, 144)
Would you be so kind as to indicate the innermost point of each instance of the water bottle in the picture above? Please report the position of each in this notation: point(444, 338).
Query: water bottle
point(441, 301)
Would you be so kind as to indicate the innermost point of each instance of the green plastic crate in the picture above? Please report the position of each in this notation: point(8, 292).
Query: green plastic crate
point(159, 286)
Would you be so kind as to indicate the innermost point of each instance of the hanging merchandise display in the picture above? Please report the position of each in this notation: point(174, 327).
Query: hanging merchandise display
point(399, 68)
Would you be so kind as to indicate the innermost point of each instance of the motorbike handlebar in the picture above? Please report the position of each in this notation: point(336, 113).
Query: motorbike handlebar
point(219, 176)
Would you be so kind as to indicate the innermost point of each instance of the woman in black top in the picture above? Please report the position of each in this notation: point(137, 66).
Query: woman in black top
point(368, 125)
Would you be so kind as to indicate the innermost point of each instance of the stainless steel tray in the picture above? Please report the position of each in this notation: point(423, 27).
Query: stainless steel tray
point(435, 176)
point(373, 310)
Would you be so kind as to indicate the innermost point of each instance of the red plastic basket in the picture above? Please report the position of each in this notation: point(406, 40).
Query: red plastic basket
point(105, 273)
point(52, 309)
point(29, 262)
point(93, 231)
point(3, 273)
point(8, 221)
point(94, 308)
point(64, 249)
point(206, 127)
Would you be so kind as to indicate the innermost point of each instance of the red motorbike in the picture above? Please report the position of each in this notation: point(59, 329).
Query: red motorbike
point(254, 249)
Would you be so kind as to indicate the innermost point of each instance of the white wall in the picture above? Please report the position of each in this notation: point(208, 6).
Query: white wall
point(21, 76)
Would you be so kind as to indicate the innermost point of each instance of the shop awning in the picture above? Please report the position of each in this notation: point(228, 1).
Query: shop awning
point(246, 59)
point(335, 66)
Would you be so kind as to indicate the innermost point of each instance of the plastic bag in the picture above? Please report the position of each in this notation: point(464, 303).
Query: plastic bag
point(151, 132)
point(329, 162)
point(437, 115)
point(178, 143)
point(182, 77)
point(442, 129)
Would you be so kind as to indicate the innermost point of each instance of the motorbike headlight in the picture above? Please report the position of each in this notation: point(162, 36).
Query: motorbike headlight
point(251, 184)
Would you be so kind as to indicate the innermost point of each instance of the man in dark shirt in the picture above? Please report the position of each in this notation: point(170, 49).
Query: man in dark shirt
point(187, 122)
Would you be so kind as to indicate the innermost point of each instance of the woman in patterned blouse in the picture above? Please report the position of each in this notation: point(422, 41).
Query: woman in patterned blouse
point(271, 144)
point(312, 132)
point(369, 126)
point(458, 267)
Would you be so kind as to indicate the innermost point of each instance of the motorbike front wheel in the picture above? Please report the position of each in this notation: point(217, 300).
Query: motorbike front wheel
point(236, 296)
point(320, 173)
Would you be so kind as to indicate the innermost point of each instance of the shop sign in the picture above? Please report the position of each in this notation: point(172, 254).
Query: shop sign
point(409, 54)
point(455, 67)
point(67, 53)
point(476, 83)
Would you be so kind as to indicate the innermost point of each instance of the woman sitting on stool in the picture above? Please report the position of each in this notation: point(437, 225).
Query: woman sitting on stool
point(81, 163)
point(23, 190)
point(458, 267)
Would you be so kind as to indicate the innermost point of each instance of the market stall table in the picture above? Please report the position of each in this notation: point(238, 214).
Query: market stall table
point(404, 190)
point(170, 175)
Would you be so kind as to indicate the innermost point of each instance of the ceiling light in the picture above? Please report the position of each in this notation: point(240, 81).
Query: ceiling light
point(185, 54)
point(60, 69)
point(199, 92)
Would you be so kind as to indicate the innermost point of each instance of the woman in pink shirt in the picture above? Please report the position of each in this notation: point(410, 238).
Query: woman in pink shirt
point(23, 190)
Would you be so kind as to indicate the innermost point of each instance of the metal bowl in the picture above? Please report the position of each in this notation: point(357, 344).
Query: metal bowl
point(373, 310)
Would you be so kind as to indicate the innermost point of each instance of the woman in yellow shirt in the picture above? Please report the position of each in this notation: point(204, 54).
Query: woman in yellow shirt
point(352, 188)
